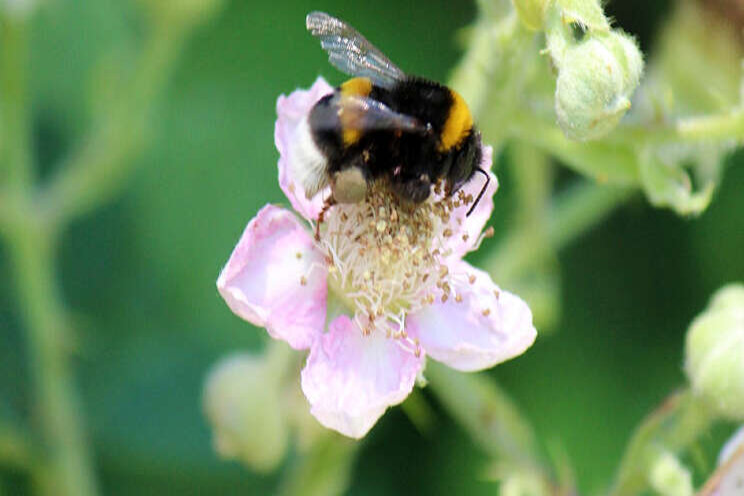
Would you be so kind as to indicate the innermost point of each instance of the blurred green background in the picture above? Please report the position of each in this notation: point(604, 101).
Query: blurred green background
point(139, 274)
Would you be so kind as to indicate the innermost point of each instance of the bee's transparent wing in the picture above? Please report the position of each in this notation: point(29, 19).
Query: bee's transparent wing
point(350, 52)
point(361, 113)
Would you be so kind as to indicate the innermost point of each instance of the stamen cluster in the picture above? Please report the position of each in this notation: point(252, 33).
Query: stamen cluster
point(389, 257)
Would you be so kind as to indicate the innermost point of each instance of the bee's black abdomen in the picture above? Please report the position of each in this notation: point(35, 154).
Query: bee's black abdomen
point(325, 126)
point(449, 149)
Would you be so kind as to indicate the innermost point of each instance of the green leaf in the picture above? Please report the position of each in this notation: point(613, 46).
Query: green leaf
point(668, 184)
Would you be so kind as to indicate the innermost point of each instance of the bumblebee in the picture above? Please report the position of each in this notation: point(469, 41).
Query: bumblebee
point(382, 124)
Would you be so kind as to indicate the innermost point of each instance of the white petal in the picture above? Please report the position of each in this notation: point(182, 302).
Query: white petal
point(351, 379)
point(276, 278)
point(487, 326)
point(292, 112)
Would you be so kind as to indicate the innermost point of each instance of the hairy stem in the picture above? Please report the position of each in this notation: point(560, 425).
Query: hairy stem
point(66, 466)
point(324, 470)
point(99, 167)
point(488, 415)
point(30, 221)
point(15, 143)
point(673, 426)
point(725, 126)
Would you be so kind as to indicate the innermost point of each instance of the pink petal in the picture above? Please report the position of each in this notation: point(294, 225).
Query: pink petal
point(290, 111)
point(478, 332)
point(351, 379)
point(276, 278)
point(467, 229)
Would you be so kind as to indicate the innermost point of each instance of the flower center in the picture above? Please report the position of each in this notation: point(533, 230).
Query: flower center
point(388, 258)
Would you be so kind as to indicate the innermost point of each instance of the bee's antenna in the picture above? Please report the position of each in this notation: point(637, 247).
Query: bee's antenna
point(483, 190)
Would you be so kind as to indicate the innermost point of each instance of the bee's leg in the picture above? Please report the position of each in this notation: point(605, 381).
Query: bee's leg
point(329, 202)
point(414, 190)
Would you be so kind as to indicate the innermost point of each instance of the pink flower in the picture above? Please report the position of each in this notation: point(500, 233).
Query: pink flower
point(384, 287)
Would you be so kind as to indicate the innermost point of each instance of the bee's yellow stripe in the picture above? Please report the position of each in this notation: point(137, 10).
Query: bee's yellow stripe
point(458, 124)
point(353, 87)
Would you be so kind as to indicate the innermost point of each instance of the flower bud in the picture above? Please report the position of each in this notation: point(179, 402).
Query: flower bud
point(596, 78)
point(241, 401)
point(669, 477)
point(521, 483)
point(715, 353)
point(531, 12)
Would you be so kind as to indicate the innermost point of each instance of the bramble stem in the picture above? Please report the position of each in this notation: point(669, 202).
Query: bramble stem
point(488, 415)
point(325, 470)
point(714, 127)
point(99, 167)
point(673, 426)
point(15, 142)
point(30, 221)
point(66, 467)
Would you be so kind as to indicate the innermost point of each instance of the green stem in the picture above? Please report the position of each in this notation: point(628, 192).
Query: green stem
point(490, 38)
point(15, 128)
point(714, 127)
point(98, 169)
point(532, 174)
point(325, 470)
point(419, 412)
point(67, 467)
point(673, 427)
point(604, 160)
point(531, 171)
point(488, 415)
point(30, 222)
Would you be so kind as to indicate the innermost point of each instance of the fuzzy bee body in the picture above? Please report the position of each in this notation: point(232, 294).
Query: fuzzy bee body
point(383, 124)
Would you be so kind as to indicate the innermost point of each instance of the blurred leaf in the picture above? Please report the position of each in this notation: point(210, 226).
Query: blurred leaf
point(669, 185)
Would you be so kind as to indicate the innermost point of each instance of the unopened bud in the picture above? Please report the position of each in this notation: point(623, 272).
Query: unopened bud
point(242, 403)
point(715, 353)
point(596, 78)
point(669, 477)
point(598, 68)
